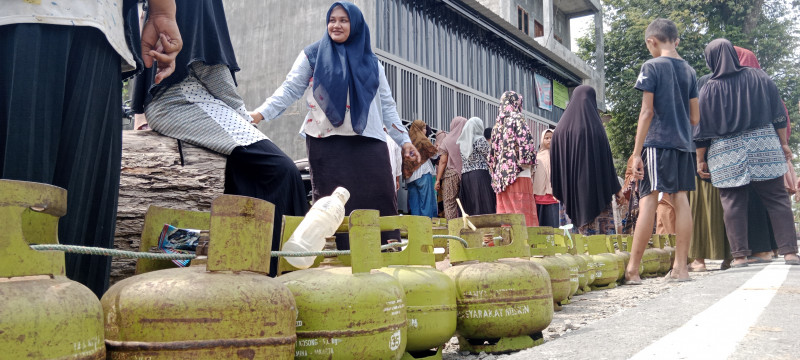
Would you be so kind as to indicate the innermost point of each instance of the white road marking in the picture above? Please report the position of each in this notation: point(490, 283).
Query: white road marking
point(728, 320)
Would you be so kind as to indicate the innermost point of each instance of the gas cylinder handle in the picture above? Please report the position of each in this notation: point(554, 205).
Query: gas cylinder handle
point(29, 214)
point(419, 250)
point(513, 223)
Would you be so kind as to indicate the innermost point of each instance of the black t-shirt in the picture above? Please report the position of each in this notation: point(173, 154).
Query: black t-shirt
point(673, 82)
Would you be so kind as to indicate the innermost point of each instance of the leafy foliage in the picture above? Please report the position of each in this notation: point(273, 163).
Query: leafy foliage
point(767, 27)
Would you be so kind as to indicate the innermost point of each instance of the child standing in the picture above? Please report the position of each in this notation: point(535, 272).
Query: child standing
point(662, 158)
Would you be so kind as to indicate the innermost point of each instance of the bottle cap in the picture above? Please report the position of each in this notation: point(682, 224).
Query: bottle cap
point(342, 194)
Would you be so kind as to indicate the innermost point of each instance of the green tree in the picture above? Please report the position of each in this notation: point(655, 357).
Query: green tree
point(766, 27)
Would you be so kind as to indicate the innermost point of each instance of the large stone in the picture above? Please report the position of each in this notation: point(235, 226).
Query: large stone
point(152, 174)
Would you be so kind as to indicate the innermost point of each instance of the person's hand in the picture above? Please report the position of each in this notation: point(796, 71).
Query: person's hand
point(396, 185)
point(257, 117)
point(438, 185)
point(410, 152)
point(638, 167)
point(787, 152)
point(161, 39)
point(702, 169)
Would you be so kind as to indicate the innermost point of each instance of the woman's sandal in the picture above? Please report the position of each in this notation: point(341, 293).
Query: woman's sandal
point(631, 282)
point(669, 278)
point(697, 268)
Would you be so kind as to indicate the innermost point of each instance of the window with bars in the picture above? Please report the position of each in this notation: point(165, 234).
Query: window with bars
point(522, 19)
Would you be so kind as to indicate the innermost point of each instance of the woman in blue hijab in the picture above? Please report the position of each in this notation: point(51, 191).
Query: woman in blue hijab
point(349, 103)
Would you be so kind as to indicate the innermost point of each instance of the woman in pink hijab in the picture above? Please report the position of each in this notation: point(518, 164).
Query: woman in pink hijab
point(448, 176)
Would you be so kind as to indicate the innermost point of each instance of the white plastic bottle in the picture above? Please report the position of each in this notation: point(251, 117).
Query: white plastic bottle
point(321, 221)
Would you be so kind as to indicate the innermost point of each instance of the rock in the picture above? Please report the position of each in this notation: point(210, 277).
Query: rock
point(568, 325)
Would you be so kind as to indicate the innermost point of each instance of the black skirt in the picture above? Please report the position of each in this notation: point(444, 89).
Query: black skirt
point(359, 164)
point(261, 170)
point(476, 193)
point(61, 124)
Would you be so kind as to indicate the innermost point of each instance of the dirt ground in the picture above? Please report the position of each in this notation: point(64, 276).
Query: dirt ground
point(588, 308)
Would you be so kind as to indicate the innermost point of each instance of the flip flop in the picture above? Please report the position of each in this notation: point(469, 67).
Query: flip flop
point(792, 262)
point(757, 260)
point(739, 265)
point(631, 282)
point(697, 269)
point(669, 279)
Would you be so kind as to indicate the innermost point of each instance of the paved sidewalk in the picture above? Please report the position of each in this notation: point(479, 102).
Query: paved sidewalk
point(745, 313)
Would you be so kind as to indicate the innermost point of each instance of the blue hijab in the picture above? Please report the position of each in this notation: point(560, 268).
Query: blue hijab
point(360, 80)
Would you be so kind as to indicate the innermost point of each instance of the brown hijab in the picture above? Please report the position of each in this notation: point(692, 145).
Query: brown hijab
point(417, 134)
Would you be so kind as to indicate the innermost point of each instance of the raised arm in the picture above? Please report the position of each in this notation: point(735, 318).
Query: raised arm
point(290, 91)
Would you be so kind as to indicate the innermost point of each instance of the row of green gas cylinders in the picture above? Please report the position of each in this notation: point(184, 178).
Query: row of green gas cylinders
point(392, 305)
point(578, 264)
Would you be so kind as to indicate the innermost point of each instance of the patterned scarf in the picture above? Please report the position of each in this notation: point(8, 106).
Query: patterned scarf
point(512, 143)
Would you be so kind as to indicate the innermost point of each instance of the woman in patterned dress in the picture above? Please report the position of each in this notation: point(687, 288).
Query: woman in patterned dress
point(448, 175)
point(511, 160)
point(476, 192)
point(742, 128)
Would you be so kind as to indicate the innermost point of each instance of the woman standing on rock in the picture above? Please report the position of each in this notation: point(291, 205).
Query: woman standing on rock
point(199, 104)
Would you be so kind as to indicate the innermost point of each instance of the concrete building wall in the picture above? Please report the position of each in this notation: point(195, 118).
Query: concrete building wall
point(266, 49)
point(562, 28)
point(507, 9)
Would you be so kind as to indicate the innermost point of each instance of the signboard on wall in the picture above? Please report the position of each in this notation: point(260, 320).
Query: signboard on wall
point(544, 92)
point(560, 95)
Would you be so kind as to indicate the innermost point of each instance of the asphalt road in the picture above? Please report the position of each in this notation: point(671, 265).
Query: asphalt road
point(744, 313)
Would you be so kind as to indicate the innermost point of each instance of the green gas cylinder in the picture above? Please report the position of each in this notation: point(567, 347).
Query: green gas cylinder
point(350, 312)
point(43, 315)
point(607, 265)
point(430, 294)
point(563, 277)
point(562, 282)
point(625, 243)
point(651, 263)
point(664, 263)
point(621, 250)
point(227, 309)
point(563, 248)
point(504, 299)
point(665, 243)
